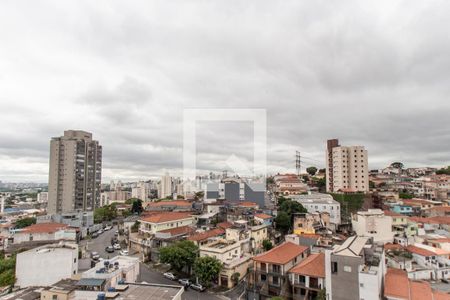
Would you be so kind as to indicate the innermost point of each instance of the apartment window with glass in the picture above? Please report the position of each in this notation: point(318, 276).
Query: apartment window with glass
point(276, 268)
point(275, 280)
point(334, 267)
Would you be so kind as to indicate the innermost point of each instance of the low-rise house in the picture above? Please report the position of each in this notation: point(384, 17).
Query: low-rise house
point(233, 256)
point(175, 205)
point(354, 270)
point(46, 265)
point(258, 234)
point(168, 237)
point(115, 270)
point(308, 277)
point(431, 263)
point(322, 203)
point(373, 223)
point(269, 275)
point(397, 286)
point(45, 232)
point(202, 238)
point(165, 220)
point(264, 219)
point(310, 223)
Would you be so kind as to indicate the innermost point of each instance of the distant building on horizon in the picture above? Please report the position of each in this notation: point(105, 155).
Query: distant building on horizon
point(347, 168)
point(75, 173)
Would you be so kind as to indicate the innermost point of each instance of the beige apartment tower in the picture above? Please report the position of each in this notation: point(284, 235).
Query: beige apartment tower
point(347, 168)
point(75, 173)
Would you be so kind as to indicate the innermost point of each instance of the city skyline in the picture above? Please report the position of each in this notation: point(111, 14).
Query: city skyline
point(371, 75)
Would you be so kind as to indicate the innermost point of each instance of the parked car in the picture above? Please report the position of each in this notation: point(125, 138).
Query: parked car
point(198, 287)
point(95, 255)
point(117, 247)
point(107, 228)
point(94, 235)
point(170, 276)
point(184, 281)
point(100, 231)
point(124, 252)
point(109, 249)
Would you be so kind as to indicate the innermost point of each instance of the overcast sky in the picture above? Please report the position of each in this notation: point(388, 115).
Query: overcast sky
point(370, 73)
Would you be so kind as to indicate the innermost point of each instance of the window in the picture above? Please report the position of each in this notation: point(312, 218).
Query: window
point(334, 267)
point(275, 280)
point(301, 279)
point(263, 277)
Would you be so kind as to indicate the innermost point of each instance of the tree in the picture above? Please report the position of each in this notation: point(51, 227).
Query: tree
point(322, 295)
point(207, 269)
point(199, 195)
point(267, 245)
point(131, 200)
point(405, 195)
point(179, 255)
point(281, 199)
point(25, 222)
point(135, 227)
point(105, 213)
point(311, 171)
point(397, 165)
point(235, 278)
point(292, 207)
point(283, 222)
point(136, 207)
point(443, 171)
point(7, 271)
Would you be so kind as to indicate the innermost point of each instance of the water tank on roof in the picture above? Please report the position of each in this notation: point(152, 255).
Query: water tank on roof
point(101, 296)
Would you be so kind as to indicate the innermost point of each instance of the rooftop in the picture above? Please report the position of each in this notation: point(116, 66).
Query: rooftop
point(313, 265)
point(263, 216)
point(206, 235)
point(44, 228)
point(170, 203)
point(166, 217)
point(352, 246)
point(281, 254)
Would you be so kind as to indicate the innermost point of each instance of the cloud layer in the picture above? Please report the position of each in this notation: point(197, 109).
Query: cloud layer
point(374, 74)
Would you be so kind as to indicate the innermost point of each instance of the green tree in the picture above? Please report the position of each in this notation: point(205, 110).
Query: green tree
point(179, 255)
point(311, 171)
point(292, 207)
point(443, 171)
point(105, 213)
point(136, 207)
point(131, 200)
point(267, 245)
point(235, 278)
point(7, 271)
point(283, 222)
point(135, 227)
point(405, 195)
point(207, 269)
point(281, 199)
point(25, 222)
point(322, 295)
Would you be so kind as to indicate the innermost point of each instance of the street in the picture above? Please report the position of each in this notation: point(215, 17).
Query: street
point(151, 276)
point(99, 243)
point(146, 274)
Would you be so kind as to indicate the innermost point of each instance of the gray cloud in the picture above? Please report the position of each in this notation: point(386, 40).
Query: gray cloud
point(370, 74)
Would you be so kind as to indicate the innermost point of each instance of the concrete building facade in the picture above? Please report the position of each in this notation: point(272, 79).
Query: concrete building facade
point(347, 168)
point(75, 172)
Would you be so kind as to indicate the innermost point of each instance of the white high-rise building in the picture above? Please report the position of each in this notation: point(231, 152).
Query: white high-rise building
point(165, 186)
point(140, 191)
point(347, 168)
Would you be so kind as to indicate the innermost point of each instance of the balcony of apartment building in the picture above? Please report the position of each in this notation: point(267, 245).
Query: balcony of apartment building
point(305, 287)
point(268, 280)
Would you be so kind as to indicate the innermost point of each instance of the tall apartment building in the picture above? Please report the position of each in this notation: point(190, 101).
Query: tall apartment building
point(347, 168)
point(165, 186)
point(75, 173)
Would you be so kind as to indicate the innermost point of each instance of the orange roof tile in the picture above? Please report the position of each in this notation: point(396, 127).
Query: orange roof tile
point(420, 251)
point(44, 228)
point(391, 213)
point(178, 230)
point(224, 225)
point(313, 265)
point(390, 246)
point(206, 235)
point(281, 254)
point(170, 203)
point(310, 236)
point(396, 284)
point(166, 217)
point(263, 216)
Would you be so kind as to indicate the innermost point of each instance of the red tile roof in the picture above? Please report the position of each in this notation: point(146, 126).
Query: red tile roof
point(44, 228)
point(281, 254)
point(390, 246)
point(183, 203)
point(263, 216)
point(419, 251)
point(166, 217)
point(179, 230)
point(313, 265)
point(206, 235)
point(391, 213)
point(396, 284)
point(224, 225)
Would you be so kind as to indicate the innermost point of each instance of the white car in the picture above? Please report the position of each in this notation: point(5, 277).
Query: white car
point(117, 247)
point(124, 252)
point(100, 231)
point(107, 228)
point(170, 276)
